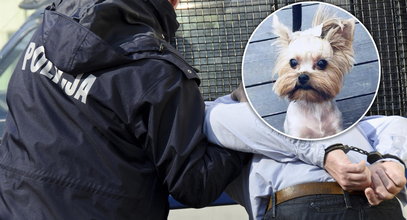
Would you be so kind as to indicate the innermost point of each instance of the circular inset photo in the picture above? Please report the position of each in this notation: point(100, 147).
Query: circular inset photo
point(311, 70)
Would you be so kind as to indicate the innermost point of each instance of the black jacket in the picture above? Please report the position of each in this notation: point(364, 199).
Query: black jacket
point(105, 119)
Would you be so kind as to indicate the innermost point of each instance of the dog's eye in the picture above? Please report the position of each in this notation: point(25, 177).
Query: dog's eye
point(322, 64)
point(293, 63)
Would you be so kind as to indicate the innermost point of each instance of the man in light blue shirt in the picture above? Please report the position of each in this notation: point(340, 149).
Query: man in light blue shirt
point(280, 162)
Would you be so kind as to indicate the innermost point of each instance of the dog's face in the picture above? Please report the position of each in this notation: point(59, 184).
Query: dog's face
point(311, 64)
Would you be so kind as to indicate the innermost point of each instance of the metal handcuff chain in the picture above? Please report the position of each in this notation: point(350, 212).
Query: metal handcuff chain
point(372, 157)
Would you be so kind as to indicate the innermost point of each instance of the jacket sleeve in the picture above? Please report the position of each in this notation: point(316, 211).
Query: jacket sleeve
point(194, 171)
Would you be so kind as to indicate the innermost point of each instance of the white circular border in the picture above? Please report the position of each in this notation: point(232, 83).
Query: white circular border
point(378, 82)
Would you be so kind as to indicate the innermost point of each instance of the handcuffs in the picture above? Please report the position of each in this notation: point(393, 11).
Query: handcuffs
point(372, 157)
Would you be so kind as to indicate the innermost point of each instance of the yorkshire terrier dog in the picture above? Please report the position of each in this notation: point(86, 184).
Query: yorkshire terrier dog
point(311, 66)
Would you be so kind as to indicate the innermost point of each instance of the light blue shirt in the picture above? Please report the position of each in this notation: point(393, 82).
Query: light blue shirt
point(279, 161)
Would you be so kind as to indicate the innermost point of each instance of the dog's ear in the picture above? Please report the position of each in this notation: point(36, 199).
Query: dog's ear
point(282, 32)
point(348, 30)
point(339, 33)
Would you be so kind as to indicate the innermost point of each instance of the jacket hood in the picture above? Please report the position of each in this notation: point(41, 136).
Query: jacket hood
point(81, 37)
point(107, 18)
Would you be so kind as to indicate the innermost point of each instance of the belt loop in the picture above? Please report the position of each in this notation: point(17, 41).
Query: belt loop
point(273, 199)
point(347, 199)
point(271, 207)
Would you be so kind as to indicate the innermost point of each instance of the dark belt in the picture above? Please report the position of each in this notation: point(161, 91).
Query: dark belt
point(307, 189)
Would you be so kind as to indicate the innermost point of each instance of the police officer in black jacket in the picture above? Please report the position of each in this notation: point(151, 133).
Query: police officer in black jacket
point(105, 119)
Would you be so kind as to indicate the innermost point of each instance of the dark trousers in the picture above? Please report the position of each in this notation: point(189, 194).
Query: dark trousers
point(333, 207)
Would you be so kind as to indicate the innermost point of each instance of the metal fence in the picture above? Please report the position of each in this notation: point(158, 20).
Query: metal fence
point(213, 35)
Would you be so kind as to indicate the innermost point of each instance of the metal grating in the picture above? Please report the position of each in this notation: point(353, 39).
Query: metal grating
point(213, 35)
point(383, 19)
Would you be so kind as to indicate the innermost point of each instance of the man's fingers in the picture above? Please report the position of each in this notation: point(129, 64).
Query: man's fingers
point(397, 176)
point(379, 186)
point(355, 168)
point(399, 181)
point(388, 179)
point(354, 176)
point(356, 180)
point(372, 198)
point(388, 183)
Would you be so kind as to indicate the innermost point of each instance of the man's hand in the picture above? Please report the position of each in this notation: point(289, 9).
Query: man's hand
point(387, 180)
point(238, 94)
point(348, 175)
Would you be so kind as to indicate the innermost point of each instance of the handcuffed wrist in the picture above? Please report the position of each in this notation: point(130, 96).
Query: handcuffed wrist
point(372, 157)
point(332, 148)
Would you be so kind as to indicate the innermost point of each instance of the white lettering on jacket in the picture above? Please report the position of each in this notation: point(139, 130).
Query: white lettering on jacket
point(36, 60)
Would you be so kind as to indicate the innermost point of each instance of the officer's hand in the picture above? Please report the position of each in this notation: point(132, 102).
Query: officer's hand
point(349, 176)
point(387, 180)
point(238, 94)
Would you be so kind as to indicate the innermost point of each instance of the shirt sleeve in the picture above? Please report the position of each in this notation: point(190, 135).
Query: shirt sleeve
point(194, 171)
point(387, 135)
point(235, 126)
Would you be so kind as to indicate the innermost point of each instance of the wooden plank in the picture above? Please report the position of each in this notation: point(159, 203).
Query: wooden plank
point(361, 80)
point(276, 122)
point(265, 101)
point(353, 109)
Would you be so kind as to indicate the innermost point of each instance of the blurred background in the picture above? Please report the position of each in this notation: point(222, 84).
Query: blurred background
point(11, 18)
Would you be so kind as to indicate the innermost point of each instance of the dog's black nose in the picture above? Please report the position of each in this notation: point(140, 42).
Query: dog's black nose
point(303, 78)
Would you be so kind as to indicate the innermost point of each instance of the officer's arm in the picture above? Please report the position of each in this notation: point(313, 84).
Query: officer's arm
point(194, 171)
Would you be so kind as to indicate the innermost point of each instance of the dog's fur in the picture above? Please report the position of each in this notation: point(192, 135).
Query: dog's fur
point(312, 113)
